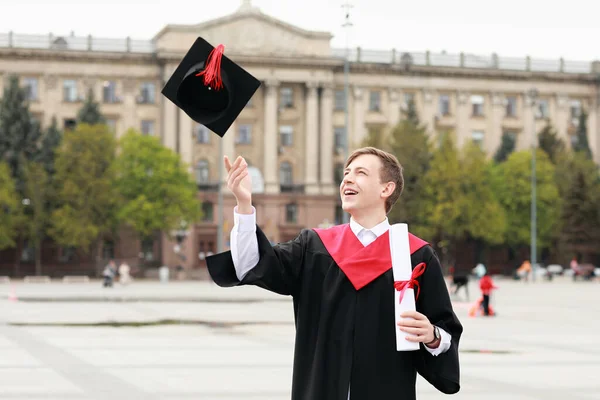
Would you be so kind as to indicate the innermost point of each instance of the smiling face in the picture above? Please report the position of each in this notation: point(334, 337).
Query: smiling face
point(361, 190)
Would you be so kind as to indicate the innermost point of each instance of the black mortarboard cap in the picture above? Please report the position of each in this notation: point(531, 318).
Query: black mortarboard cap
point(209, 87)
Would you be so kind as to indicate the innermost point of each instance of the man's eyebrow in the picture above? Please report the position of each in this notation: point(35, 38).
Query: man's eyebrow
point(366, 169)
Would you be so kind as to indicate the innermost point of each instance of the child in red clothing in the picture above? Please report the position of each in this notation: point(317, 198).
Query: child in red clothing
point(486, 284)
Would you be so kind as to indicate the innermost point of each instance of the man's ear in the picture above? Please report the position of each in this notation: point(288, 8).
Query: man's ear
point(388, 189)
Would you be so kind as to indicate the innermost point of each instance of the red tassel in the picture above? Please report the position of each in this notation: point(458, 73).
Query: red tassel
point(212, 70)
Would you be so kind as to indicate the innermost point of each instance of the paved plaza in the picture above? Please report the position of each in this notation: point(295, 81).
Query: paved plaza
point(193, 340)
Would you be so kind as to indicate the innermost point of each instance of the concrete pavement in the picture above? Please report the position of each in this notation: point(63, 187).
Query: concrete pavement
point(238, 343)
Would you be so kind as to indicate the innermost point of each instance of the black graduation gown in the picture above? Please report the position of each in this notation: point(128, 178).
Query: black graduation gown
point(346, 337)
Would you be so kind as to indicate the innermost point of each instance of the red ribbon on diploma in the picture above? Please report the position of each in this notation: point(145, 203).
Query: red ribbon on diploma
point(412, 282)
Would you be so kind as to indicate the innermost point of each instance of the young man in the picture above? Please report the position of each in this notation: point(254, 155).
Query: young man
point(342, 286)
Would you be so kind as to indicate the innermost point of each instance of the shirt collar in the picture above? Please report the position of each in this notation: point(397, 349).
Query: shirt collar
point(378, 229)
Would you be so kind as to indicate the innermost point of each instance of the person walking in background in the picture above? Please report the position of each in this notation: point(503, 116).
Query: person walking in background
point(486, 284)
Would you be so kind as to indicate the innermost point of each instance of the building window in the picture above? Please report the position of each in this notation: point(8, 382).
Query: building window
point(244, 134)
point(477, 103)
point(286, 95)
point(112, 124)
point(511, 134)
point(543, 109)
point(69, 124)
point(207, 211)
point(477, 137)
point(339, 215)
point(31, 88)
point(202, 172)
point(511, 106)
point(444, 105)
point(286, 134)
point(575, 111)
point(109, 92)
point(148, 249)
point(339, 137)
point(70, 91)
point(285, 173)
point(291, 213)
point(409, 98)
point(340, 100)
point(148, 127)
point(202, 134)
point(375, 101)
point(338, 173)
point(147, 93)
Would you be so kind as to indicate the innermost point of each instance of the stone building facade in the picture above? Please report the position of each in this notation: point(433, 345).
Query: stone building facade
point(292, 131)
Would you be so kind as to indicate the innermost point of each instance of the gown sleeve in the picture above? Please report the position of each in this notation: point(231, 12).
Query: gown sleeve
point(443, 370)
point(278, 269)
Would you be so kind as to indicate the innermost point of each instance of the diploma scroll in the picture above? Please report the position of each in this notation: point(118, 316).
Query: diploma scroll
point(402, 269)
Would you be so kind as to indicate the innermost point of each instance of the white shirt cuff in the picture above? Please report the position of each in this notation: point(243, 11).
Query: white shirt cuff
point(245, 222)
point(446, 341)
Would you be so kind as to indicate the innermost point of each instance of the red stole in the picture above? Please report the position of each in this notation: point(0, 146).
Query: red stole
point(361, 264)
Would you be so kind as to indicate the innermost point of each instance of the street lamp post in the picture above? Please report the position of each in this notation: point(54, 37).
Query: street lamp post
point(347, 25)
point(533, 94)
point(220, 199)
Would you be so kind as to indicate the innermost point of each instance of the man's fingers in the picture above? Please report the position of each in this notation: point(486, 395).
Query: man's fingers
point(413, 331)
point(417, 339)
point(233, 180)
point(227, 164)
point(412, 323)
point(239, 178)
point(413, 314)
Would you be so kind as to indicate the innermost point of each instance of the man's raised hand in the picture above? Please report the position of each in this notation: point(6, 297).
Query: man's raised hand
point(239, 183)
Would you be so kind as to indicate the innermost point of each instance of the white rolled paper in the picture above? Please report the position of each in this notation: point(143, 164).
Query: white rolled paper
point(402, 269)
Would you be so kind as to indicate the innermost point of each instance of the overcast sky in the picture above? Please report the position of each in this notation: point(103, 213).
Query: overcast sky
point(509, 27)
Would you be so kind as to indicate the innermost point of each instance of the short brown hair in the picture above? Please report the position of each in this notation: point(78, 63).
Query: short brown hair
point(391, 171)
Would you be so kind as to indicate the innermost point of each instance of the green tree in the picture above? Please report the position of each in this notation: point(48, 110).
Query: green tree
point(512, 183)
point(19, 133)
point(482, 215)
point(550, 143)
point(85, 175)
point(376, 137)
point(157, 191)
point(38, 193)
point(581, 144)
point(507, 146)
point(410, 143)
point(50, 143)
point(9, 208)
point(579, 187)
point(90, 113)
point(411, 113)
point(441, 198)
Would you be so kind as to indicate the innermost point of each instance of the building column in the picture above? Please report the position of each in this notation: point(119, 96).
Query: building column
point(529, 134)
point(462, 118)
point(312, 139)
point(493, 135)
point(327, 141)
point(129, 106)
point(394, 108)
point(271, 142)
point(359, 131)
point(429, 110)
point(562, 119)
point(186, 143)
point(52, 99)
point(229, 140)
point(169, 113)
